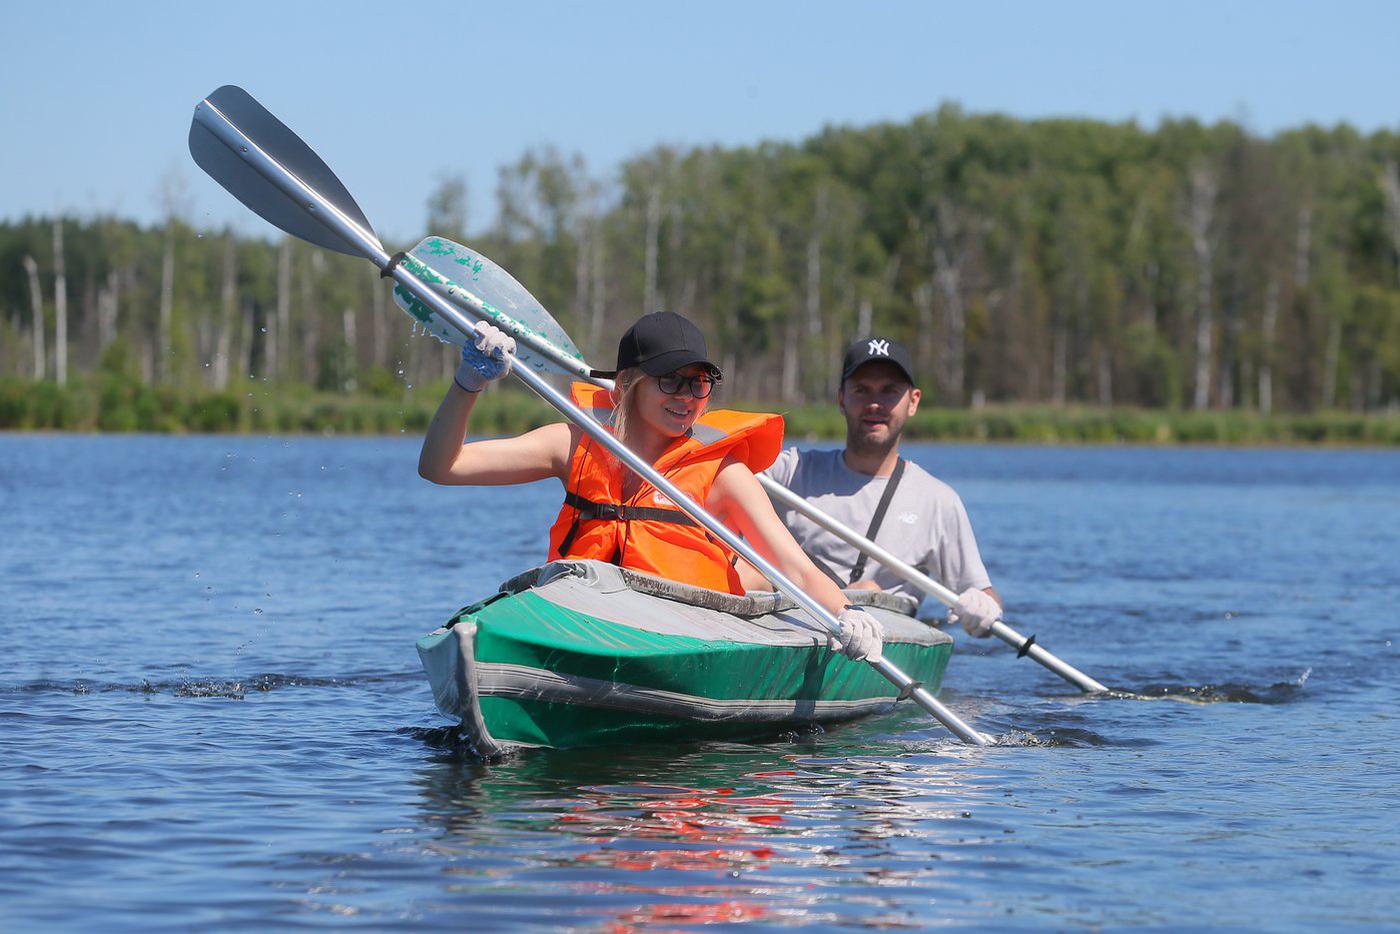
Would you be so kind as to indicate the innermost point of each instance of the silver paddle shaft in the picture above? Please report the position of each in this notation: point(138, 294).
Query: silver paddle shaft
point(927, 584)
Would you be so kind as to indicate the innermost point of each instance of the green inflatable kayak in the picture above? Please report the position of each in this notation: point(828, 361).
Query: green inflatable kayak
point(583, 653)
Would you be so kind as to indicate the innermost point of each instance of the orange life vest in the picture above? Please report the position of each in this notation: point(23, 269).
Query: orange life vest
point(648, 532)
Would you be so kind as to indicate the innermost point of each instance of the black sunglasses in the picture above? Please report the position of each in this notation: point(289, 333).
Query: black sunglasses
point(700, 386)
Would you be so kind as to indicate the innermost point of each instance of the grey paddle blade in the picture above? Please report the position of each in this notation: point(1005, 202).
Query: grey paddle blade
point(226, 125)
point(485, 290)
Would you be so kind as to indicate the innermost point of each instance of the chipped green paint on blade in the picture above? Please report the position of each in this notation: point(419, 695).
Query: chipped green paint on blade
point(483, 289)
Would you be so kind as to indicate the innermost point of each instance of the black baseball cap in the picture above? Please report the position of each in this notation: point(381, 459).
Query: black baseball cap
point(876, 348)
point(661, 343)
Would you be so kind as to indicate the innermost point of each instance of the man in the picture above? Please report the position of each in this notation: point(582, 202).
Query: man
point(871, 489)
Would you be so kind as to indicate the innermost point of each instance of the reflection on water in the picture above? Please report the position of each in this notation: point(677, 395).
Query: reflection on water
point(227, 726)
point(815, 840)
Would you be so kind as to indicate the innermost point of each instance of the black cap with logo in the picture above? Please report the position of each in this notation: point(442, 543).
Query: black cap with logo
point(875, 349)
point(661, 343)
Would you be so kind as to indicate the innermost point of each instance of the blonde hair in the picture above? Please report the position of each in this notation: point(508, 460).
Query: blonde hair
point(624, 395)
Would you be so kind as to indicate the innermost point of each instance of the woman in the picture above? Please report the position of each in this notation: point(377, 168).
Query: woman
point(657, 408)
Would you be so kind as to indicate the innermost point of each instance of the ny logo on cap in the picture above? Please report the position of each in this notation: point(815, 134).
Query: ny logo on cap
point(878, 348)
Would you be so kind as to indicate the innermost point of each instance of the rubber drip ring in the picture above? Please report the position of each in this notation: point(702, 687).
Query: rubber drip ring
point(388, 270)
point(1025, 647)
point(908, 690)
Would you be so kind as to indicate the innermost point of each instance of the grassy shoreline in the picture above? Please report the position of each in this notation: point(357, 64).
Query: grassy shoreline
point(120, 405)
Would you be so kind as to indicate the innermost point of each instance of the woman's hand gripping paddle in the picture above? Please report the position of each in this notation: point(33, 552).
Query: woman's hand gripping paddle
point(265, 165)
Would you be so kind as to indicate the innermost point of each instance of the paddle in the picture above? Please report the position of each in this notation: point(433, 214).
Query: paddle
point(537, 329)
point(1024, 646)
point(265, 165)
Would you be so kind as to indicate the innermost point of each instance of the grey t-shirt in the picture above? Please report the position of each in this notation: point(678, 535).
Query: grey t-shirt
point(926, 524)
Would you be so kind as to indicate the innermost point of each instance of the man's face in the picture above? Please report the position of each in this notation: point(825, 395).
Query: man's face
point(877, 400)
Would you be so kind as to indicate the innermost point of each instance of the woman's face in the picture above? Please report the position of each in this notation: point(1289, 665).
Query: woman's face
point(670, 414)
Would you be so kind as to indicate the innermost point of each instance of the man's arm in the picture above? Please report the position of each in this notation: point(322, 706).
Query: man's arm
point(960, 564)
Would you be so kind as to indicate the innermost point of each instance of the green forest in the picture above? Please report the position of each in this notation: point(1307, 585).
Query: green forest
point(1072, 271)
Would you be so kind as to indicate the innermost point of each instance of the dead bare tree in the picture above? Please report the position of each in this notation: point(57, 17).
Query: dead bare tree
point(923, 345)
point(1331, 353)
point(812, 305)
point(174, 202)
point(738, 264)
point(653, 245)
point(279, 344)
point(36, 302)
point(108, 297)
point(1268, 329)
point(1200, 220)
point(1390, 188)
point(311, 280)
point(952, 235)
point(228, 299)
point(597, 269)
point(60, 306)
point(348, 330)
point(378, 311)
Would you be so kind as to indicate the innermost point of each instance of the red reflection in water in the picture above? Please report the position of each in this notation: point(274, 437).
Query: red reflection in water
point(708, 831)
point(721, 913)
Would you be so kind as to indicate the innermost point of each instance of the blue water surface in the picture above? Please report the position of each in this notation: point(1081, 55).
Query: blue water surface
point(212, 715)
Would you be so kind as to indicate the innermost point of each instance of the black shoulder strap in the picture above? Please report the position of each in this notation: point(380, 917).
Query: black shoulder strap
point(879, 517)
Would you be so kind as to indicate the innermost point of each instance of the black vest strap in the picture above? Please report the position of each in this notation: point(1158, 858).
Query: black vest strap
point(878, 518)
point(587, 509)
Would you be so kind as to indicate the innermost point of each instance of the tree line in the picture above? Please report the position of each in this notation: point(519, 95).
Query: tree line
point(1190, 266)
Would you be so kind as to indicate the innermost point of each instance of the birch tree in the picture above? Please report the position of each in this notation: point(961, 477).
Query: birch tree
point(1200, 219)
point(36, 303)
point(60, 306)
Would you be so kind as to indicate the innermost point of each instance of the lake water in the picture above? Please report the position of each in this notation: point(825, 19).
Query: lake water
point(212, 715)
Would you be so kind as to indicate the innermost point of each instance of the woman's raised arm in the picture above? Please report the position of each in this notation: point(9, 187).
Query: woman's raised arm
point(532, 456)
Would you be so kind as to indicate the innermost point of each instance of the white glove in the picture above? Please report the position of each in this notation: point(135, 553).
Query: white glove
point(976, 610)
point(489, 360)
point(861, 635)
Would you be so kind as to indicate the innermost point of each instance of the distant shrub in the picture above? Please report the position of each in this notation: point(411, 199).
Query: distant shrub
point(114, 400)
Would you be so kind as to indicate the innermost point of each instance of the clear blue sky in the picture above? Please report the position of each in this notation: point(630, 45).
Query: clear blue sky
point(95, 98)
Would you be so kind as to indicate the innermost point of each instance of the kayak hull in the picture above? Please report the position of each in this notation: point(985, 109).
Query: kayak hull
point(581, 653)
